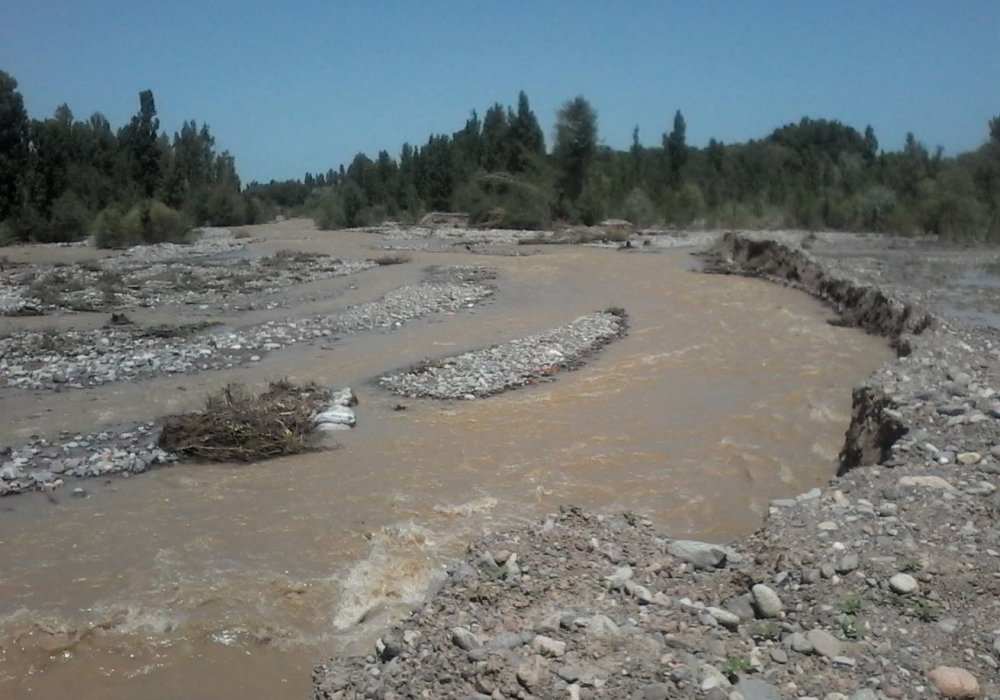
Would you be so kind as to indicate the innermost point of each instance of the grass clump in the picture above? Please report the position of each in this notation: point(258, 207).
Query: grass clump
point(851, 605)
point(237, 426)
point(735, 665)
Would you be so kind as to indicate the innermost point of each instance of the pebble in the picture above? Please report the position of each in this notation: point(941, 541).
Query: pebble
point(824, 643)
point(529, 671)
point(656, 691)
point(752, 689)
point(546, 646)
point(725, 618)
point(464, 639)
point(865, 694)
point(847, 563)
point(800, 643)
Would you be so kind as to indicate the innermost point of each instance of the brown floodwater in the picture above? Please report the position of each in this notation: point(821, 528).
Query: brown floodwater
point(226, 581)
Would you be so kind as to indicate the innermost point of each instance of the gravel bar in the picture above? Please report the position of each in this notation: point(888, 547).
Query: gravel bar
point(510, 365)
point(216, 272)
point(77, 359)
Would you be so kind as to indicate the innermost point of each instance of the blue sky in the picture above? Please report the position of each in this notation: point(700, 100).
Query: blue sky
point(295, 86)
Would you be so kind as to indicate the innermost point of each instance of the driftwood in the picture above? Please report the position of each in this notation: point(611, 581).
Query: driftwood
point(237, 426)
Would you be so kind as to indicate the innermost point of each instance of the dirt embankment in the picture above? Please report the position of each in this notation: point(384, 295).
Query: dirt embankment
point(884, 585)
point(875, 425)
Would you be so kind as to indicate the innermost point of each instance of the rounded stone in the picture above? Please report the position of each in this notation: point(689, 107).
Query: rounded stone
point(954, 682)
point(768, 603)
point(903, 584)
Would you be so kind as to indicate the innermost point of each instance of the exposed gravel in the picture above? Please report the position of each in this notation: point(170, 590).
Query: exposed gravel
point(450, 238)
point(42, 464)
point(509, 365)
point(77, 359)
point(886, 584)
point(215, 272)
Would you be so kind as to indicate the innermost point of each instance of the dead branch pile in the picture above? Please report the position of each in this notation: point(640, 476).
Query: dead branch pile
point(237, 426)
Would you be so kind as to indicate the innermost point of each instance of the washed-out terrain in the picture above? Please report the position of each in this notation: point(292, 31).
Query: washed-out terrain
point(498, 378)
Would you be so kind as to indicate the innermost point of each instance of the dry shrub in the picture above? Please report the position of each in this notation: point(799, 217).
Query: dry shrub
point(290, 258)
point(174, 330)
point(237, 426)
point(392, 259)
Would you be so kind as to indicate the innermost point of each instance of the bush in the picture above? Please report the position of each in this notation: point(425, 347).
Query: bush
point(260, 211)
point(68, 221)
point(344, 207)
point(639, 208)
point(840, 213)
point(686, 206)
point(28, 225)
point(504, 201)
point(328, 212)
point(876, 207)
point(150, 221)
point(949, 208)
point(225, 207)
point(107, 229)
point(355, 204)
point(592, 206)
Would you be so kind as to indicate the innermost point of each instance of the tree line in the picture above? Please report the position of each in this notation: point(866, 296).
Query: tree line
point(812, 174)
point(62, 179)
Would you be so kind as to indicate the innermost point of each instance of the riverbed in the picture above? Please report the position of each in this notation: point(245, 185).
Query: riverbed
point(231, 581)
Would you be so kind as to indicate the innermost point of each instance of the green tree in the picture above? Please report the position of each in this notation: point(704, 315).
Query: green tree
point(527, 139)
point(871, 144)
point(436, 173)
point(495, 140)
point(575, 148)
point(14, 136)
point(140, 146)
point(675, 147)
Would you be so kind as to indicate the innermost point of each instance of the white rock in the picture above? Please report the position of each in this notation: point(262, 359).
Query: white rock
point(768, 602)
point(925, 481)
point(903, 583)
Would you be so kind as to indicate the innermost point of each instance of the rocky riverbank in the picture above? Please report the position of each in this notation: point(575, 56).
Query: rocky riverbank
point(886, 584)
point(510, 365)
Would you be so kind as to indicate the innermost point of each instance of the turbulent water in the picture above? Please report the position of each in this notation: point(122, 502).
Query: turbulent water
point(228, 581)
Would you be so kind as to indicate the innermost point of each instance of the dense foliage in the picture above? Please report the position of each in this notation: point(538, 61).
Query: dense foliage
point(813, 174)
point(62, 179)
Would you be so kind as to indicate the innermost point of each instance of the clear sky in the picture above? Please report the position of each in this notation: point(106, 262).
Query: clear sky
point(295, 86)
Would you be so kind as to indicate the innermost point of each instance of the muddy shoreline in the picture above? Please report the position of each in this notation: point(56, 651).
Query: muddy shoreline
point(884, 584)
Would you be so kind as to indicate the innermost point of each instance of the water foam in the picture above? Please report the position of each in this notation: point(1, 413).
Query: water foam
point(476, 506)
point(396, 572)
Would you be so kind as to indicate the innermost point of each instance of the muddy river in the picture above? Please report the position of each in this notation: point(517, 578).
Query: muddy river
point(227, 581)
